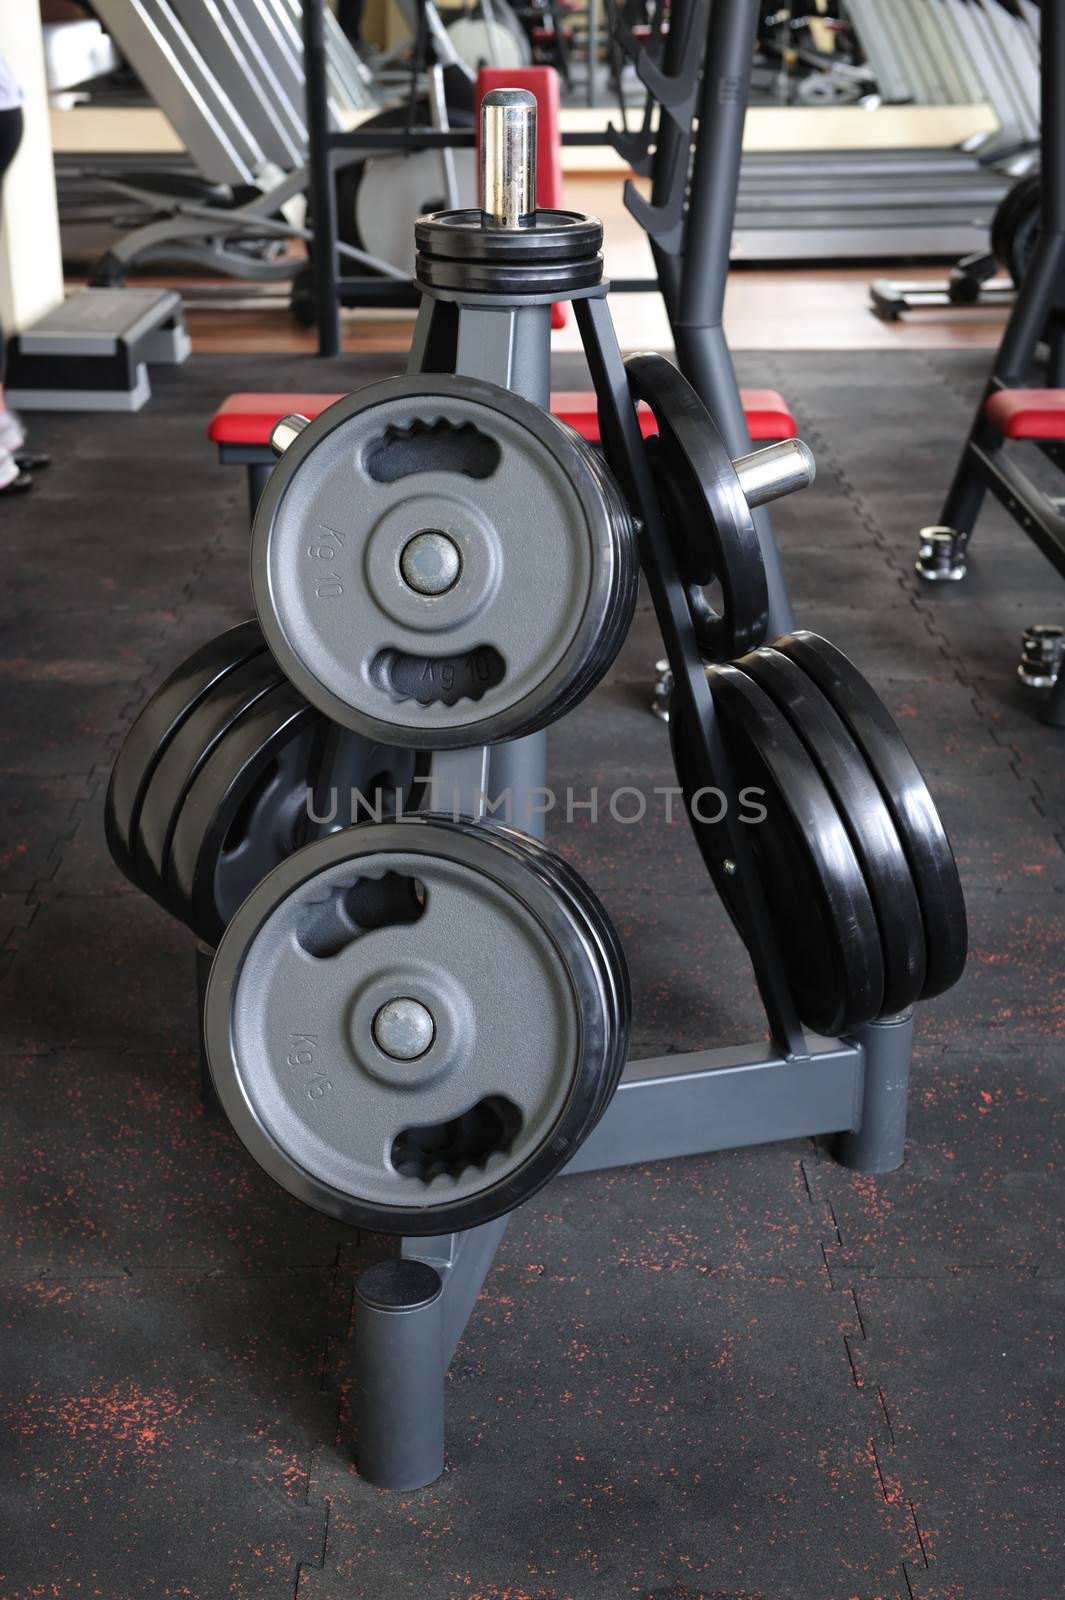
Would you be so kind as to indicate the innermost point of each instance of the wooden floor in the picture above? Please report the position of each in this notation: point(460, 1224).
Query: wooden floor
point(805, 308)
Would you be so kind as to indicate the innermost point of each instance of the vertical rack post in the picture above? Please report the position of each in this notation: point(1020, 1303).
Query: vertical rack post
point(411, 1311)
point(878, 1144)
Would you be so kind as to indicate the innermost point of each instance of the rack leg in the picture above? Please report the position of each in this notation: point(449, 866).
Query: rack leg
point(878, 1144)
point(410, 1314)
point(399, 1355)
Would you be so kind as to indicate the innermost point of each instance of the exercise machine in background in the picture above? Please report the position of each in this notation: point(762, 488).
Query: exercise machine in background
point(1010, 415)
point(934, 202)
point(228, 75)
point(1004, 50)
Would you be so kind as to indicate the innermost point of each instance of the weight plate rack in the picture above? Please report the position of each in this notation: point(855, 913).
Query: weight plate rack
point(416, 1020)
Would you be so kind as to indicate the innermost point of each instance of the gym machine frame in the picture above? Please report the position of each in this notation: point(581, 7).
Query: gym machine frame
point(411, 1309)
point(330, 286)
point(229, 78)
point(1039, 313)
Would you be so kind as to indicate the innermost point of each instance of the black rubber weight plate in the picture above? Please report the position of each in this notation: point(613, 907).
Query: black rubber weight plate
point(244, 810)
point(913, 811)
point(706, 516)
point(156, 724)
point(182, 759)
point(866, 817)
point(812, 880)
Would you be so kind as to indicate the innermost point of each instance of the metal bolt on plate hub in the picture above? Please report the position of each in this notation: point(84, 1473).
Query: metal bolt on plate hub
point(404, 1029)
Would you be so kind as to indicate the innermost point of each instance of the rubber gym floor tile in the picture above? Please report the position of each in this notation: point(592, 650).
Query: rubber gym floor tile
point(973, 1370)
point(113, 1166)
point(1013, 712)
point(193, 626)
point(223, 580)
point(813, 372)
point(692, 982)
point(1051, 801)
point(83, 864)
point(831, 407)
point(63, 709)
point(941, 724)
point(154, 434)
point(666, 1447)
point(612, 731)
point(898, 515)
point(890, 450)
point(985, 1148)
point(823, 382)
point(158, 1433)
point(654, 859)
point(90, 652)
point(39, 816)
point(743, 1213)
point(827, 576)
point(99, 972)
point(886, 640)
point(154, 461)
point(16, 913)
point(150, 572)
point(1013, 989)
point(984, 639)
point(886, 427)
point(823, 517)
point(1000, 839)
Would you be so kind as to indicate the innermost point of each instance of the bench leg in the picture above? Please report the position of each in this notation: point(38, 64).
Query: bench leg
point(258, 472)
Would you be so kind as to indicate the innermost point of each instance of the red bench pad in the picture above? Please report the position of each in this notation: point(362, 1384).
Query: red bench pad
point(578, 407)
point(248, 419)
point(1028, 413)
point(767, 414)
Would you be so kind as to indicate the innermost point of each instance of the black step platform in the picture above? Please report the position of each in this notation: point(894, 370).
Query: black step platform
point(92, 353)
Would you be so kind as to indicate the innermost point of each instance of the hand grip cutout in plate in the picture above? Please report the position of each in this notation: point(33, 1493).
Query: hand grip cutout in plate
point(432, 447)
point(330, 925)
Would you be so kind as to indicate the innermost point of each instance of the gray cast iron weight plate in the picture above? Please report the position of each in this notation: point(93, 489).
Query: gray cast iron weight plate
point(437, 562)
point(413, 1025)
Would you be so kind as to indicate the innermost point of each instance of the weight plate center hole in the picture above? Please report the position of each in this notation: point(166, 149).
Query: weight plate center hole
point(430, 562)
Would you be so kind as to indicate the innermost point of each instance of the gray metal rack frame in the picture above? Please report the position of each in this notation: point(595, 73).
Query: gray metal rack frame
point(411, 1311)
